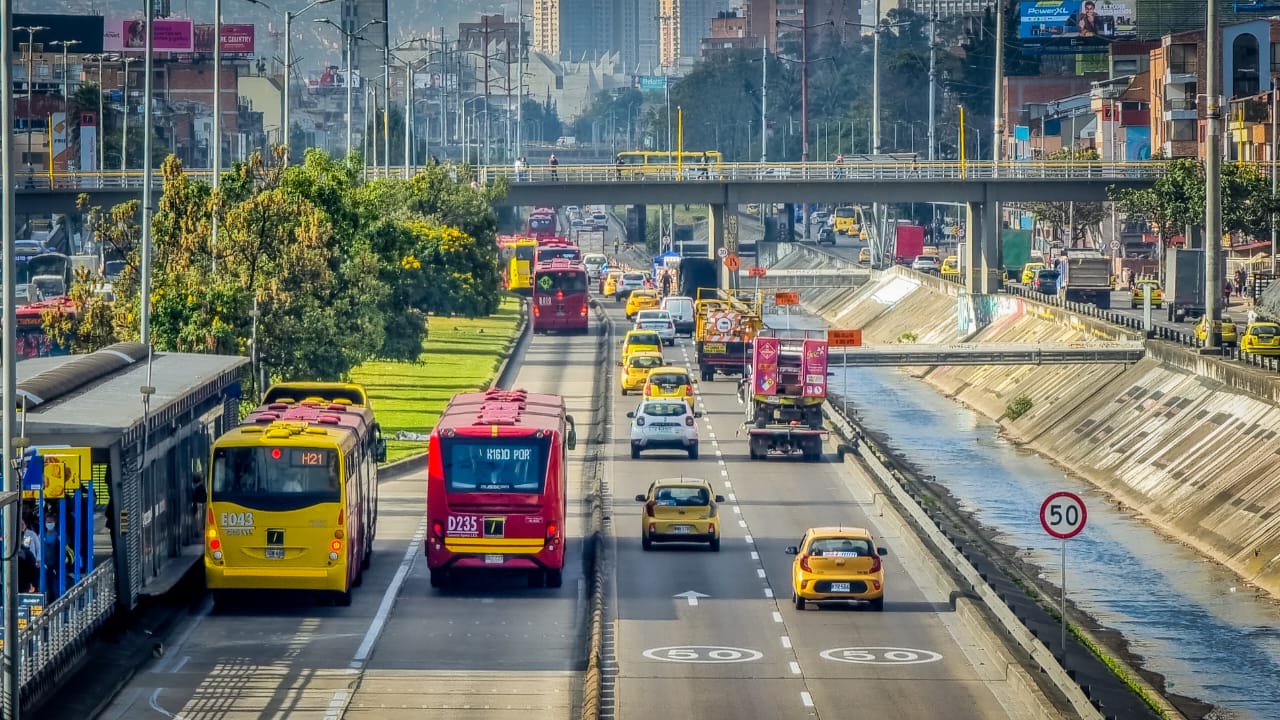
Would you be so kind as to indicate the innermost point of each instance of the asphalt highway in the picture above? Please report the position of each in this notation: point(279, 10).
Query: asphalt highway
point(714, 635)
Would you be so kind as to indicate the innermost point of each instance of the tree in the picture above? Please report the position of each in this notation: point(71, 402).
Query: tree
point(541, 121)
point(1083, 215)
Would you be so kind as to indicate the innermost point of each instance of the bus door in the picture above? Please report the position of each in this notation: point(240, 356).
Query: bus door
point(278, 517)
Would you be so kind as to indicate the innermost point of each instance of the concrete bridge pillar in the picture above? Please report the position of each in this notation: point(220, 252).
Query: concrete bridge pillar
point(721, 235)
point(642, 225)
point(982, 249)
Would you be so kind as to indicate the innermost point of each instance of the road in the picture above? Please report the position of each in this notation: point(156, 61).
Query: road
point(742, 650)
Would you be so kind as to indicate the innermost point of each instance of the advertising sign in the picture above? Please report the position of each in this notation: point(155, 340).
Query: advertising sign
point(55, 472)
point(235, 38)
point(88, 141)
point(59, 133)
point(1137, 143)
point(168, 35)
point(1049, 22)
point(815, 368)
point(765, 373)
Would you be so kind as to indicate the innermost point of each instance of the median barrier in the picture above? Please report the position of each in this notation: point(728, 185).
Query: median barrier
point(596, 532)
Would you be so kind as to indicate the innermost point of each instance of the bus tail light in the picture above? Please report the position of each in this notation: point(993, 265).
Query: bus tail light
point(551, 532)
point(215, 544)
point(536, 311)
point(335, 548)
point(342, 517)
point(339, 533)
point(437, 530)
point(582, 312)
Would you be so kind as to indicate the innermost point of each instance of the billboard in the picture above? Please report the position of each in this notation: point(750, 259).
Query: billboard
point(1050, 23)
point(235, 38)
point(168, 35)
point(86, 29)
point(651, 82)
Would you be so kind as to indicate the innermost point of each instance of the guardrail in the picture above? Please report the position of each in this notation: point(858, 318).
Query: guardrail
point(1064, 171)
point(52, 640)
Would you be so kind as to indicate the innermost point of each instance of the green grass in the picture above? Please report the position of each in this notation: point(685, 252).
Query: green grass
point(460, 355)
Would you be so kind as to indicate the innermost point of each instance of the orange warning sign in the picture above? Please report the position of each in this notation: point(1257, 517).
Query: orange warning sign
point(844, 338)
point(786, 298)
point(732, 262)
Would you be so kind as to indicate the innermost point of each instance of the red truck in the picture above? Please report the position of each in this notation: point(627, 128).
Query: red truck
point(908, 243)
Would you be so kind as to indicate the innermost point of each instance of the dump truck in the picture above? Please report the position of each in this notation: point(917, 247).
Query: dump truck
point(1085, 276)
point(784, 394)
point(1184, 284)
point(726, 322)
point(1015, 251)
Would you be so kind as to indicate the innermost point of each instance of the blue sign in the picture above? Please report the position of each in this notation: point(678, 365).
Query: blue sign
point(653, 82)
point(1066, 21)
point(1256, 6)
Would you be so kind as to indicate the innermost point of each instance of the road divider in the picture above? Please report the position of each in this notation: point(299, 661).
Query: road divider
point(594, 545)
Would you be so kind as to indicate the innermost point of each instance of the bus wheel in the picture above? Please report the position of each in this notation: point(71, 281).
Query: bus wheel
point(221, 600)
point(535, 578)
point(555, 578)
point(439, 577)
point(342, 599)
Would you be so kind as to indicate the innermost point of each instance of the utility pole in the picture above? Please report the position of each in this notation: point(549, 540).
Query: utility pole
point(8, 355)
point(520, 79)
point(1273, 173)
point(764, 103)
point(351, 39)
point(386, 108)
point(217, 128)
point(933, 76)
point(875, 83)
point(148, 119)
point(997, 146)
point(804, 91)
point(1212, 180)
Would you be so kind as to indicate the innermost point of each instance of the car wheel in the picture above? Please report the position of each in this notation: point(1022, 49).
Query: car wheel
point(797, 601)
point(635, 453)
point(693, 453)
point(624, 392)
point(878, 604)
point(646, 544)
point(714, 544)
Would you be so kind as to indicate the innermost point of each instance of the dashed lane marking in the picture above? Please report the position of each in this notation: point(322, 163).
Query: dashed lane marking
point(807, 699)
point(777, 616)
point(786, 642)
point(760, 573)
point(795, 667)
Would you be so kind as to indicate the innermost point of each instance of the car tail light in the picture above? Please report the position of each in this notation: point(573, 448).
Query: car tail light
point(583, 311)
point(688, 420)
point(876, 565)
point(653, 527)
point(688, 390)
point(640, 420)
point(804, 563)
point(711, 528)
point(437, 530)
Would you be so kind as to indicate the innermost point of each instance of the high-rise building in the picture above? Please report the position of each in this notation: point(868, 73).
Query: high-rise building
point(669, 21)
point(546, 27)
point(780, 20)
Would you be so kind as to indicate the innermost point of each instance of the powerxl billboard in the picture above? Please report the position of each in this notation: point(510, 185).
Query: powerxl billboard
point(1075, 25)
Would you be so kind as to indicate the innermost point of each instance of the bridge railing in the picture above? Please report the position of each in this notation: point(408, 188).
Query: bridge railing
point(725, 172)
point(52, 642)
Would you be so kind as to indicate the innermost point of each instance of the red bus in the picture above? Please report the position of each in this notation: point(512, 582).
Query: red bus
point(497, 486)
point(542, 223)
point(562, 250)
point(560, 296)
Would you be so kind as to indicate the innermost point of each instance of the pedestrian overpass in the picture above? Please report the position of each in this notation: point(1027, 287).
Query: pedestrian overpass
point(913, 354)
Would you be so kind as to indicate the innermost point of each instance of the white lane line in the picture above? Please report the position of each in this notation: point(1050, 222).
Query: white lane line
point(737, 510)
point(795, 667)
point(713, 436)
point(733, 498)
point(807, 699)
point(389, 598)
point(728, 484)
point(768, 593)
point(749, 540)
point(742, 523)
point(724, 473)
point(154, 702)
point(786, 642)
point(719, 459)
point(760, 572)
point(777, 616)
point(755, 555)
point(718, 455)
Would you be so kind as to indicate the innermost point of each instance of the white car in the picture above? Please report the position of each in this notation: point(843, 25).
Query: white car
point(681, 309)
point(659, 321)
point(925, 264)
point(628, 282)
point(664, 424)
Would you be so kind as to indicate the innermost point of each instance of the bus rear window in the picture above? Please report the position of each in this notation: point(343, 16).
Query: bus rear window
point(524, 252)
point(568, 282)
point(844, 212)
point(542, 223)
point(565, 253)
point(275, 478)
point(503, 465)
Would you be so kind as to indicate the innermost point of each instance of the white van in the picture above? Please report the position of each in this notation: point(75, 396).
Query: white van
point(681, 309)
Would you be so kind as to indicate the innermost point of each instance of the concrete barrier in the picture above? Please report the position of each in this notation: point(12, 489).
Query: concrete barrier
point(595, 545)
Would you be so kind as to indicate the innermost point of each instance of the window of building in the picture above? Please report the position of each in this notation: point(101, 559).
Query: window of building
point(1275, 58)
point(1245, 69)
point(1182, 59)
point(1182, 131)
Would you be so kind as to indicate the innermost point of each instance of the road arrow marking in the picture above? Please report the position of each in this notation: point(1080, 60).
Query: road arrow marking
point(692, 596)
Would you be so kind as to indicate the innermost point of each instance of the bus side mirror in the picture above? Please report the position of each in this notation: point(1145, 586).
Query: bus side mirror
point(572, 441)
point(380, 449)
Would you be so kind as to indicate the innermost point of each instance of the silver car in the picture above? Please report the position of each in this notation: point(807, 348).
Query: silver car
point(627, 283)
point(665, 424)
point(659, 321)
point(925, 264)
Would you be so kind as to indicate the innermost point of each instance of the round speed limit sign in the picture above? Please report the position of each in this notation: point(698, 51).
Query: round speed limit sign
point(1063, 515)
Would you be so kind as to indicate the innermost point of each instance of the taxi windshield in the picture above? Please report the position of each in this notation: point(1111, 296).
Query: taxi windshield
point(644, 338)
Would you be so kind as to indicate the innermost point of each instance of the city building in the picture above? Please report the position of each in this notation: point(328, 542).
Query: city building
point(546, 27)
point(728, 32)
point(669, 25)
point(779, 21)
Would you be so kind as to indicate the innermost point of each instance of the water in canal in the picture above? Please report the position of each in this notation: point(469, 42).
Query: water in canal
point(1212, 637)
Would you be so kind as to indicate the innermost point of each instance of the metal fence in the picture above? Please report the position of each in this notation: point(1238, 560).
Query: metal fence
point(53, 641)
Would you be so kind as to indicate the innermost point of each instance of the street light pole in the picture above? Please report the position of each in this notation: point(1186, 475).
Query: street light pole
point(8, 355)
point(933, 75)
point(519, 79)
point(144, 293)
point(804, 94)
point(217, 132)
point(351, 37)
point(764, 103)
point(408, 118)
point(288, 64)
point(386, 109)
point(997, 143)
point(1212, 178)
point(1273, 173)
point(875, 85)
point(31, 31)
point(124, 124)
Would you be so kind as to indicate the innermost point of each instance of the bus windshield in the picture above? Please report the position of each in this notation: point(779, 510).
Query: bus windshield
point(280, 478)
point(542, 222)
point(566, 253)
point(524, 252)
point(568, 282)
point(844, 212)
point(502, 465)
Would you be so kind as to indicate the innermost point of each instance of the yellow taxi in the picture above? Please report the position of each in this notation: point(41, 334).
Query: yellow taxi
point(1226, 327)
point(1261, 338)
point(609, 285)
point(950, 265)
point(1029, 271)
point(1157, 294)
point(837, 564)
point(680, 510)
point(636, 372)
point(864, 255)
point(669, 382)
point(641, 300)
point(640, 341)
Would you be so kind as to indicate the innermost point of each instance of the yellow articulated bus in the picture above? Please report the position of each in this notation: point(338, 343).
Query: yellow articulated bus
point(293, 496)
point(646, 164)
point(848, 220)
point(520, 266)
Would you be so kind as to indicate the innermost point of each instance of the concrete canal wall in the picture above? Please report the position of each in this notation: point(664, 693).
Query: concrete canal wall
point(1187, 441)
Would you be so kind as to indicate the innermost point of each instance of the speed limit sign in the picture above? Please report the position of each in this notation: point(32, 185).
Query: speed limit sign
point(1063, 515)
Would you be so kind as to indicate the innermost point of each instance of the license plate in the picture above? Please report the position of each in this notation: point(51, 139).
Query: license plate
point(839, 587)
point(713, 347)
point(494, 559)
point(682, 529)
point(275, 553)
